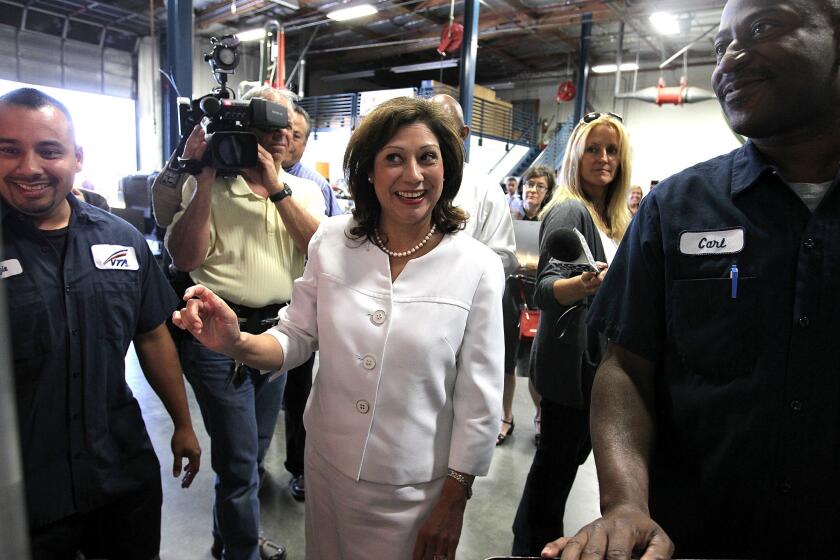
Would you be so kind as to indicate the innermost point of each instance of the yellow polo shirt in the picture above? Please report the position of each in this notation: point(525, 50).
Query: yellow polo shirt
point(251, 259)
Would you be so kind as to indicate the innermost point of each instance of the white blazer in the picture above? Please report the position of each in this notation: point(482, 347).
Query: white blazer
point(410, 376)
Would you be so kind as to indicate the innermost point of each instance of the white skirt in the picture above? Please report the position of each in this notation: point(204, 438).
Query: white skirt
point(349, 519)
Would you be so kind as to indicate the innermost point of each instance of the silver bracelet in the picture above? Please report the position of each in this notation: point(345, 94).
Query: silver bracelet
point(462, 480)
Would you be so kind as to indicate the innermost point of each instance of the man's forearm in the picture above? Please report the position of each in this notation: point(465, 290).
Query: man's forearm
point(622, 428)
point(300, 224)
point(190, 236)
point(159, 361)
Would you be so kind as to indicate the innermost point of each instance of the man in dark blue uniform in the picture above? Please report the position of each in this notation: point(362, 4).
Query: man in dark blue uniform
point(82, 285)
point(716, 412)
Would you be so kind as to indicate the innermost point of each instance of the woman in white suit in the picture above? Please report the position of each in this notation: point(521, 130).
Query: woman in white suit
point(406, 313)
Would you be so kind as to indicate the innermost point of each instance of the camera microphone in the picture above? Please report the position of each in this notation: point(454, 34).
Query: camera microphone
point(569, 248)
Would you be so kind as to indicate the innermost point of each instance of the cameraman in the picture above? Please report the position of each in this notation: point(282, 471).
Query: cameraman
point(244, 237)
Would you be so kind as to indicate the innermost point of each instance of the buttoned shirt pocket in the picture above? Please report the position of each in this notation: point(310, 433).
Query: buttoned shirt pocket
point(117, 307)
point(28, 318)
point(29, 324)
point(712, 328)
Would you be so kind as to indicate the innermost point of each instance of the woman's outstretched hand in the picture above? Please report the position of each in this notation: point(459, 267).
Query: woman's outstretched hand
point(209, 319)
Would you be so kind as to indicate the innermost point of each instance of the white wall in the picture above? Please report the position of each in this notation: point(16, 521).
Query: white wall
point(665, 139)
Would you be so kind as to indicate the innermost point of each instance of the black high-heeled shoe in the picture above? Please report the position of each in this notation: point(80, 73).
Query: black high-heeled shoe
point(500, 439)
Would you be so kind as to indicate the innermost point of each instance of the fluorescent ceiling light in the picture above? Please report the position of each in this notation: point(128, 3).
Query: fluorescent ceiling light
point(665, 23)
point(449, 63)
point(349, 76)
point(353, 12)
point(500, 85)
point(609, 68)
point(251, 35)
point(293, 4)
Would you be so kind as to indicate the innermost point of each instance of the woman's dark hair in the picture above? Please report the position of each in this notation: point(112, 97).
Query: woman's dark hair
point(541, 171)
point(374, 133)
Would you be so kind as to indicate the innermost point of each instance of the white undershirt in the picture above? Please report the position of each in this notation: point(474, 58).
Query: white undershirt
point(810, 193)
point(610, 246)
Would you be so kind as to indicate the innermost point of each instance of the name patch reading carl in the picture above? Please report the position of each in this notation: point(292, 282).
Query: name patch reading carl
point(10, 267)
point(114, 257)
point(716, 242)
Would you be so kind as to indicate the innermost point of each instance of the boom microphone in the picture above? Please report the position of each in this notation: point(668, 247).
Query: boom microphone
point(569, 248)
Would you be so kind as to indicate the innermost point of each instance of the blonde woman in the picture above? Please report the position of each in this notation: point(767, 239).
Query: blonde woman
point(592, 197)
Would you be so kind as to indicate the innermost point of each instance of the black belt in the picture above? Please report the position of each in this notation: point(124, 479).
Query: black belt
point(255, 320)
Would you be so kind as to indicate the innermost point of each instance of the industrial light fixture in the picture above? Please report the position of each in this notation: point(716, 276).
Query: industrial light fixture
point(449, 63)
point(665, 23)
point(349, 76)
point(292, 4)
point(610, 68)
point(251, 34)
point(500, 85)
point(351, 12)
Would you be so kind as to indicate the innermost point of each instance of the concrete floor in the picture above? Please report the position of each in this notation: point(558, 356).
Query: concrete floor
point(187, 513)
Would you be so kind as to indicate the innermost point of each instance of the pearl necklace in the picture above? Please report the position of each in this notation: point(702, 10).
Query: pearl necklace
point(397, 254)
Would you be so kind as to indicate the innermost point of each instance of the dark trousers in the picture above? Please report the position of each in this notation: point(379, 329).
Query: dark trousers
point(564, 446)
point(298, 385)
point(128, 528)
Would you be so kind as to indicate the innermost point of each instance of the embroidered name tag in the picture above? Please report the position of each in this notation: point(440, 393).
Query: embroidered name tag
point(715, 242)
point(114, 257)
point(10, 267)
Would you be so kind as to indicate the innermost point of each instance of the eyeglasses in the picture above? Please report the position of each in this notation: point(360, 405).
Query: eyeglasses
point(537, 186)
point(589, 117)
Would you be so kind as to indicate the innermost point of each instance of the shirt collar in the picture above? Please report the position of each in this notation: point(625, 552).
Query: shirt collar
point(295, 169)
point(82, 211)
point(748, 166)
point(239, 187)
point(77, 210)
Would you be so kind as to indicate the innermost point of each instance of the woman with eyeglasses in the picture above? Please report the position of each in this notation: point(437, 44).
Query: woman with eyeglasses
point(592, 198)
point(538, 186)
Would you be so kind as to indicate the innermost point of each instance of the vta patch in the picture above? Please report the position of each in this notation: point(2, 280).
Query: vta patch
point(114, 257)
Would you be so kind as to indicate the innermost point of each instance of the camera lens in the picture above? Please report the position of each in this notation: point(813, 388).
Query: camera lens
point(227, 57)
point(229, 150)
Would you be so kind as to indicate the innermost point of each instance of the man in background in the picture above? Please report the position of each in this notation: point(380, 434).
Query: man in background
point(82, 286)
point(513, 199)
point(299, 380)
point(634, 197)
point(489, 219)
point(301, 128)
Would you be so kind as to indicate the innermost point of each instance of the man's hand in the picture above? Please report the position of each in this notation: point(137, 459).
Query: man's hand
point(438, 537)
point(185, 446)
point(615, 536)
point(209, 319)
point(265, 173)
point(194, 148)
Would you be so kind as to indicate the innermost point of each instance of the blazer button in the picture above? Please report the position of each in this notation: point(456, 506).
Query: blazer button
point(377, 317)
point(363, 406)
point(369, 362)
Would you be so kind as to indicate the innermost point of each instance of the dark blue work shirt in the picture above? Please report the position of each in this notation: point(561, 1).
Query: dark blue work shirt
point(71, 321)
point(747, 391)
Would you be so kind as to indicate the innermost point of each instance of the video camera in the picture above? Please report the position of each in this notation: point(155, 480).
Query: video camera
point(226, 121)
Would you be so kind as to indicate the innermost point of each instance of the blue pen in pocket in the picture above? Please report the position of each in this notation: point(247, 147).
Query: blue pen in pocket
point(733, 276)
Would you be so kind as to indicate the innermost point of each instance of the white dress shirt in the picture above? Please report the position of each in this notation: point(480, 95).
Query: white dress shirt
point(410, 375)
point(490, 220)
